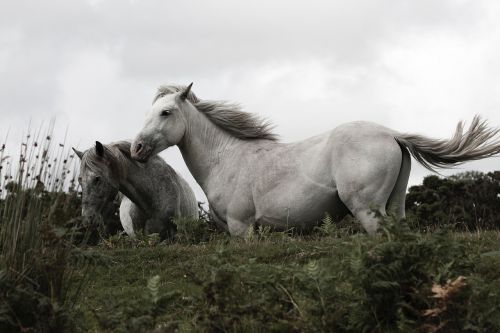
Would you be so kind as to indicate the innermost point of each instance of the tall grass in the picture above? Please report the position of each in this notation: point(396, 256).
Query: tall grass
point(39, 206)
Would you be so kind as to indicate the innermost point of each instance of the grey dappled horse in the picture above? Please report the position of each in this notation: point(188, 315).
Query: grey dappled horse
point(250, 178)
point(153, 192)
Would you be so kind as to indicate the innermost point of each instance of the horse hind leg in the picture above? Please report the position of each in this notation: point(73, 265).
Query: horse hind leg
point(366, 189)
point(366, 208)
point(368, 219)
point(396, 203)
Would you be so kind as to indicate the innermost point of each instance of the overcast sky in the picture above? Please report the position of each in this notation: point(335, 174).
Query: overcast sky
point(308, 66)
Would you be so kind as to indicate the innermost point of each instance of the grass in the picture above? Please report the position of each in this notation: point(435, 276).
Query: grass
point(398, 281)
point(336, 279)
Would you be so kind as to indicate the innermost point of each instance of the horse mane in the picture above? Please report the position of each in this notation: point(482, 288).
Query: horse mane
point(116, 155)
point(228, 116)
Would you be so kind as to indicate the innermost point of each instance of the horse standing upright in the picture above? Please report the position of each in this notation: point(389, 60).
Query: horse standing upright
point(153, 192)
point(249, 177)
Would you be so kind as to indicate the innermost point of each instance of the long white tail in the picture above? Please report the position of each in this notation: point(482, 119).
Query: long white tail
point(476, 143)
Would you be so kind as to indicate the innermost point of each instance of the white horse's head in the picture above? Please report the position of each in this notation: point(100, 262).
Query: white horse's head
point(164, 126)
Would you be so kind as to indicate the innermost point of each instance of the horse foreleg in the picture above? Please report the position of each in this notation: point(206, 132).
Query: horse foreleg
point(237, 227)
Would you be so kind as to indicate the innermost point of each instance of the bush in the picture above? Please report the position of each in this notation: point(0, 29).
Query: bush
point(468, 201)
point(191, 230)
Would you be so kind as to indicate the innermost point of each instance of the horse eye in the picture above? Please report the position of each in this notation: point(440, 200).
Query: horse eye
point(165, 113)
point(97, 179)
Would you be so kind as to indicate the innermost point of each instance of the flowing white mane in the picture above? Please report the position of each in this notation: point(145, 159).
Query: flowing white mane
point(228, 116)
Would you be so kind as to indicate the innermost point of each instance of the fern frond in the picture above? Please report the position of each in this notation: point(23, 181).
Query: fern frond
point(154, 288)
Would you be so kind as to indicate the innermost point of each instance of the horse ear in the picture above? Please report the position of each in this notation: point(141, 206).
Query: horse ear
point(78, 153)
point(99, 149)
point(185, 93)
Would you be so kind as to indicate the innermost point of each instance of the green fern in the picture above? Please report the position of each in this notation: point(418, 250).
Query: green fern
point(313, 269)
point(328, 226)
point(154, 288)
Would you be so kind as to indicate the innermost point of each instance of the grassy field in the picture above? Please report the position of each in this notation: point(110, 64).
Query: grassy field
point(331, 281)
point(336, 279)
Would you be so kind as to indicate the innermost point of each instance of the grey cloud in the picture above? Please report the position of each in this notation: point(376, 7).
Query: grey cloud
point(209, 36)
point(264, 54)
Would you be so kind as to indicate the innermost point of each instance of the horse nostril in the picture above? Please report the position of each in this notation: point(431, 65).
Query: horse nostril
point(138, 147)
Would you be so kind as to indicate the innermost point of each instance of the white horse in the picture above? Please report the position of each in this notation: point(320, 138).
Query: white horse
point(250, 178)
point(153, 193)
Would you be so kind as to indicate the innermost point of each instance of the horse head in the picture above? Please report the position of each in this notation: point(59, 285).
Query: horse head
point(99, 181)
point(165, 125)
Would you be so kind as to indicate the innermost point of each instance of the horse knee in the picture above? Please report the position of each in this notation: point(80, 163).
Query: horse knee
point(237, 228)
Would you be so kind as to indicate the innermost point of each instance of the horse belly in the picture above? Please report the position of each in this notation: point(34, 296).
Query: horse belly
point(301, 207)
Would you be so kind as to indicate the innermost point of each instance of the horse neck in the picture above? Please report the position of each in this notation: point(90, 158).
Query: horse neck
point(136, 183)
point(205, 145)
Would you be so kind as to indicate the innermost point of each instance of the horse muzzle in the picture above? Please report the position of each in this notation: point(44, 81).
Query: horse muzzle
point(140, 151)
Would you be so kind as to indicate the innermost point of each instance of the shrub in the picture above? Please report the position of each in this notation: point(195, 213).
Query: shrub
point(191, 230)
point(468, 201)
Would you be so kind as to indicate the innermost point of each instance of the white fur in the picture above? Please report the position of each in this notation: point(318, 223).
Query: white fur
point(357, 167)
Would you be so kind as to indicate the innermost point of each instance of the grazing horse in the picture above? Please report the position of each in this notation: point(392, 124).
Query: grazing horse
point(251, 178)
point(153, 193)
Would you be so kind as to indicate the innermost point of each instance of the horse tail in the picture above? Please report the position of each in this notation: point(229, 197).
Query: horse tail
point(476, 143)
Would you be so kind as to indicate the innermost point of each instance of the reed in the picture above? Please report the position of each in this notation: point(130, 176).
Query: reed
point(39, 208)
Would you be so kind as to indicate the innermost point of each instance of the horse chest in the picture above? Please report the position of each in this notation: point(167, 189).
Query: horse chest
point(231, 199)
